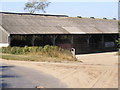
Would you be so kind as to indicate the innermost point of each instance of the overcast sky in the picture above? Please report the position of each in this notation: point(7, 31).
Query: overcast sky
point(73, 8)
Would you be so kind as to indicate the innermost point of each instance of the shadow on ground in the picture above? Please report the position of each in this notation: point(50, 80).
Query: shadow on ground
point(3, 76)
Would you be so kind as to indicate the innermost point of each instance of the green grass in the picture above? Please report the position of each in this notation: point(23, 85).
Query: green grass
point(37, 58)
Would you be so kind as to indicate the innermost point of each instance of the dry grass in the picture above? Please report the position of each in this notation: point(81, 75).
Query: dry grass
point(32, 57)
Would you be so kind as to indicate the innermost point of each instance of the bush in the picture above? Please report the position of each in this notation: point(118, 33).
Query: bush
point(6, 49)
point(49, 51)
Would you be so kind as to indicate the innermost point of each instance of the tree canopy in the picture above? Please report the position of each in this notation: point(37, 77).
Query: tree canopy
point(36, 5)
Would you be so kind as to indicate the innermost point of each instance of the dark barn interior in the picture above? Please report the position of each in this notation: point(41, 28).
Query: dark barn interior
point(83, 43)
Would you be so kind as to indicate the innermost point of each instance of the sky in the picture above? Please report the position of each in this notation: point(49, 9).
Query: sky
point(72, 8)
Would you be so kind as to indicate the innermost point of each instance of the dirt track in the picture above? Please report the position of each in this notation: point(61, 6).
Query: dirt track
point(96, 71)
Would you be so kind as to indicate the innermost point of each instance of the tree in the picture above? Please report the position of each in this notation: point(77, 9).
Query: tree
point(36, 5)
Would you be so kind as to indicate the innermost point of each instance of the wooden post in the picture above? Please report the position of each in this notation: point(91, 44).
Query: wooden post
point(115, 37)
point(33, 40)
point(88, 40)
point(54, 39)
point(103, 42)
point(21, 37)
point(72, 41)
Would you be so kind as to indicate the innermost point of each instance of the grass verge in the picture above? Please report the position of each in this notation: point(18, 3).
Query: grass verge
point(37, 58)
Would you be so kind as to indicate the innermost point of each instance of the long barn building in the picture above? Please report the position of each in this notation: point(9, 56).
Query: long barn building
point(86, 35)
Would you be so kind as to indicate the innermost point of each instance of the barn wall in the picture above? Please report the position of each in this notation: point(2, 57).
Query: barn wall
point(3, 38)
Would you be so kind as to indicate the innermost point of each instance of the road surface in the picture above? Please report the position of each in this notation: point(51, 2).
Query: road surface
point(20, 77)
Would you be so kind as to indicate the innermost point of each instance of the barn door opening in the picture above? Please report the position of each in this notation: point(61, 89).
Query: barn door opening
point(95, 43)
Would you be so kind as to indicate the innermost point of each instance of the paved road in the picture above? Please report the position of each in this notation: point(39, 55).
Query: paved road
point(20, 77)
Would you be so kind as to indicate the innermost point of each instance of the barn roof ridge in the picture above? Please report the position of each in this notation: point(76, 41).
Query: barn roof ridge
point(34, 14)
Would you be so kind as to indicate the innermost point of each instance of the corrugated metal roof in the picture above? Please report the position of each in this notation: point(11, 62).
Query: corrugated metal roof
point(35, 24)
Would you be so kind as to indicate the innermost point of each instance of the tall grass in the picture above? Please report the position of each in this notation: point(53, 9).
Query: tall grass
point(47, 51)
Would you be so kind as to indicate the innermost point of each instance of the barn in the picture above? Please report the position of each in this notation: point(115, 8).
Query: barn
point(86, 35)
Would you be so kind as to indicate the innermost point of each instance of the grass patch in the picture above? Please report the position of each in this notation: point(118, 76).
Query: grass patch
point(37, 58)
point(18, 57)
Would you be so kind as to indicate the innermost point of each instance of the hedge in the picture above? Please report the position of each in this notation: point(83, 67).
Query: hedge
point(50, 51)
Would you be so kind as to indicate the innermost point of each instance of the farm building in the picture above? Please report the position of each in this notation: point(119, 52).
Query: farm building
point(86, 35)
